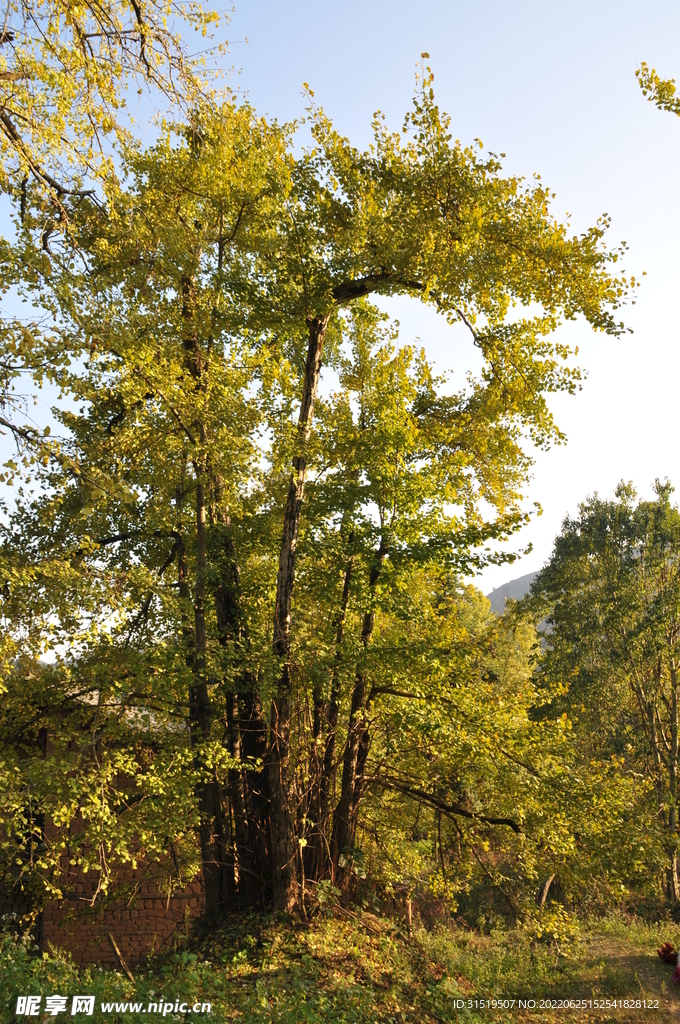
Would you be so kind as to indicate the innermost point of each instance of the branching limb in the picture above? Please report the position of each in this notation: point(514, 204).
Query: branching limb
point(450, 810)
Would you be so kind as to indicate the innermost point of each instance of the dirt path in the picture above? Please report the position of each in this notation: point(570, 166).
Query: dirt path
point(652, 977)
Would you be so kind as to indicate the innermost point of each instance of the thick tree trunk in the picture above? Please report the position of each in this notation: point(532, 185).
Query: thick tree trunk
point(284, 847)
point(356, 751)
point(362, 758)
point(245, 855)
point(342, 838)
point(253, 730)
point(283, 842)
point(249, 812)
point(317, 859)
point(217, 872)
point(212, 833)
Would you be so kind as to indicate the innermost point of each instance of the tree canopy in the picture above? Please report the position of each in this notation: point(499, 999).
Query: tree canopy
point(235, 636)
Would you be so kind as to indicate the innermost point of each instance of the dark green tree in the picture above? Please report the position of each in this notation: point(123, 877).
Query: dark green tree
point(611, 593)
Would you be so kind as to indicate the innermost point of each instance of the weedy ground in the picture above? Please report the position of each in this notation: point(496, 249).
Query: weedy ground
point(362, 969)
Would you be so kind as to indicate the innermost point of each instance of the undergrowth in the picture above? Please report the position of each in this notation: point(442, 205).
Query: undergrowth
point(349, 969)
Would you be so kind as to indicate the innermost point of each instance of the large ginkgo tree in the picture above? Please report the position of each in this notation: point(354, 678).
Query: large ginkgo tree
point(218, 545)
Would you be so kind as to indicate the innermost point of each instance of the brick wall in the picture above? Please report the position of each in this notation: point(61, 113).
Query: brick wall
point(143, 923)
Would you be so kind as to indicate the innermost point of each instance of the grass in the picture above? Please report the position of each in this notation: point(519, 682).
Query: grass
point(360, 969)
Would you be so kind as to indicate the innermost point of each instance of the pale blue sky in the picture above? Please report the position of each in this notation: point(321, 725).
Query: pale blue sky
point(553, 86)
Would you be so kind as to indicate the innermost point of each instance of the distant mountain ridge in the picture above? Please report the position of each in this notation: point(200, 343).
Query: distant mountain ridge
point(515, 590)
